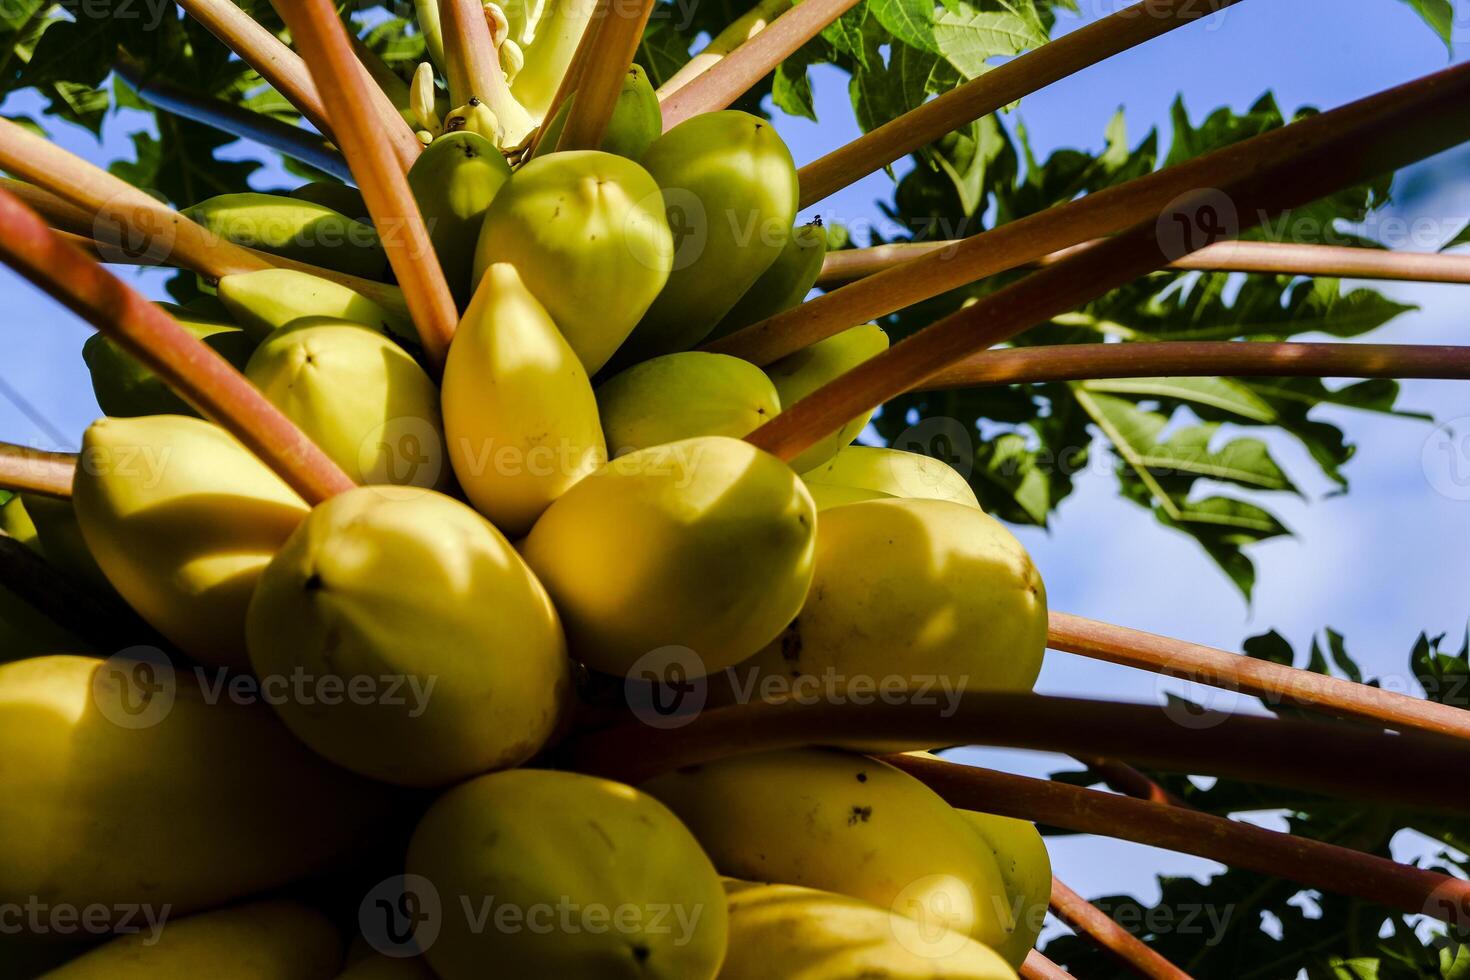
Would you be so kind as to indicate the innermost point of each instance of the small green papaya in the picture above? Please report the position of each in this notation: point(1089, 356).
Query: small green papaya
point(342, 198)
point(798, 375)
point(784, 284)
point(266, 299)
point(635, 123)
point(729, 186)
point(586, 231)
point(683, 395)
point(358, 395)
point(454, 180)
point(294, 228)
point(124, 387)
point(411, 588)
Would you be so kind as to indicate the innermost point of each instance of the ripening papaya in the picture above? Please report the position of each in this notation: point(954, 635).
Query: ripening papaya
point(681, 396)
point(267, 299)
point(636, 119)
point(704, 543)
point(414, 589)
point(124, 387)
point(129, 783)
point(182, 519)
point(520, 417)
point(541, 841)
point(783, 285)
point(281, 939)
point(295, 229)
point(867, 472)
point(1025, 867)
point(798, 375)
point(729, 186)
point(360, 397)
point(916, 589)
point(586, 231)
point(454, 180)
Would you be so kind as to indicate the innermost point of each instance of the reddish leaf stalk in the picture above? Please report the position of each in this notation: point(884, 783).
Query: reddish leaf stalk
point(616, 28)
point(28, 470)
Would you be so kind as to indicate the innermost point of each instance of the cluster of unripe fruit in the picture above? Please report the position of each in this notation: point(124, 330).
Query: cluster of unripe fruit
point(574, 496)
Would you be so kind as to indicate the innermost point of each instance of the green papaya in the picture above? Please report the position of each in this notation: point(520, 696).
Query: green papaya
point(1025, 867)
point(342, 198)
point(798, 375)
point(454, 181)
point(59, 540)
point(25, 631)
point(295, 229)
point(683, 395)
point(519, 413)
point(784, 284)
point(586, 232)
point(124, 387)
point(266, 299)
point(635, 123)
point(537, 840)
point(358, 396)
point(182, 519)
point(704, 543)
point(729, 186)
point(282, 939)
point(411, 588)
point(129, 783)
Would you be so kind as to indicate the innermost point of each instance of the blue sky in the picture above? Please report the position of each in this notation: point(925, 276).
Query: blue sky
point(1379, 564)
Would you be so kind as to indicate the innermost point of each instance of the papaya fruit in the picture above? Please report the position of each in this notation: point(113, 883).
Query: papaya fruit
point(59, 540)
point(416, 592)
point(267, 940)
point(711, 540)
point(181, 519)
point(268, 299)
point(558, 32)
point(519, 413)
point(843, 823)
point(783, 931)
point(567, 852)
point(476, 118)
point(360, 397)
point(681, 396)
point(636, 120)
point(586, 231)
point(25, 631)
point(16, 522)
point(295, 229)
point(871, 471)
point(342, 198)
point(782, 286)
point(798, 375)
point(729, 186)
point(127, 784)
point(454, 180)
point(917, 589)
point(124, 387)
point(1025, 867)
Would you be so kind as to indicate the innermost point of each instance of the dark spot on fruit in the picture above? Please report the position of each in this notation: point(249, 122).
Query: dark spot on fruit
point(314, 583)
point(801, 519)
point(862, 777)
point(640, 952)
point(474, 101)
point(859, 814)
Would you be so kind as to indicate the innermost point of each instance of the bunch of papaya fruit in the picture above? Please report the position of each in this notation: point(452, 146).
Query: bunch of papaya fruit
point(341, 762)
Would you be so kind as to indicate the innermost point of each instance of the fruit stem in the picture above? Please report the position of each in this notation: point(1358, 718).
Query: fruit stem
point(1202, 359)
point(1283, 169)
point(1088, 920)
point(751, 23)
point(1038, 967)
point(1313, 863)
point(28, 470)
point(194, 371)
point(292, 141)
point(322, 38)
point(733, 76)
point(472, 64)
point(997, 89)
point(1323, 757)
point(616, 29)
point(1275, 683)
point(117, 213)
point(1273, 258)
point(281, 67)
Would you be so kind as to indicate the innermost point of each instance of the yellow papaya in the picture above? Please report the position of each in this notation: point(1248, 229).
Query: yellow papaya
point(268, 299)
point(889, 473)
point(1025, 867)
point(798, 375)
point(782, 286)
